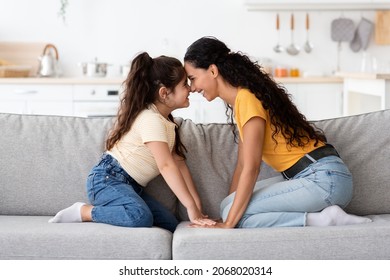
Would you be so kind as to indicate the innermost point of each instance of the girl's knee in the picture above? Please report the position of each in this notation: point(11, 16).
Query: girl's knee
point(141, 217)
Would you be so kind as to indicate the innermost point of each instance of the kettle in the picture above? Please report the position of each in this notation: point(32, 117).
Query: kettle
point(48, 64)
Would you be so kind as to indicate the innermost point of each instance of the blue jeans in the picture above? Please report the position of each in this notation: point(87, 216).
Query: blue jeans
point(119, 200)
point(277, 202)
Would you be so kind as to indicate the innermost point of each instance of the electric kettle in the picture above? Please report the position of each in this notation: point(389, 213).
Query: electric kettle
point(48, 63)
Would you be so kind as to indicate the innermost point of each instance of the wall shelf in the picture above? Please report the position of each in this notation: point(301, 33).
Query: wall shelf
point(293, 5)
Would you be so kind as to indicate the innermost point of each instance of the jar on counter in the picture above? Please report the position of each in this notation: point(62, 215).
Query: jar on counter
point(294, 72)
point(281, 72)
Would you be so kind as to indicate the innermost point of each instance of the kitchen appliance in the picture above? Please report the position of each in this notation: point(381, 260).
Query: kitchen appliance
point(48, 62)
point(278, 48)
point(292, 49)
point(94, 68)
point(342, 30)
point(308, 47)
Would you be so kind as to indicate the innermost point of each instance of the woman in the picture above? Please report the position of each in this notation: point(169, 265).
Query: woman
point(143, 143)
point(315, 185)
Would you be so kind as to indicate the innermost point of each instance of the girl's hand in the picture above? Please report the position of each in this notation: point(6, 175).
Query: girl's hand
point(197, 218)
point(216, 225)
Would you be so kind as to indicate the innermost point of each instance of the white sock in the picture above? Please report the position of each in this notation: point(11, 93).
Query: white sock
point(71, 214)
point(334, 216)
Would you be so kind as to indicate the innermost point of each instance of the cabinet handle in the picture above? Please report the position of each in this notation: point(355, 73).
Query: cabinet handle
point(22, 91)
point(112, 92)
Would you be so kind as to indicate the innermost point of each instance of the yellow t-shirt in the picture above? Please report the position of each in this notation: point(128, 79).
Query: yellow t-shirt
point(280, 157)
point(131, 152)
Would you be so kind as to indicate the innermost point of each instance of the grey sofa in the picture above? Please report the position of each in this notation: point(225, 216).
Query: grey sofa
point(44, 161)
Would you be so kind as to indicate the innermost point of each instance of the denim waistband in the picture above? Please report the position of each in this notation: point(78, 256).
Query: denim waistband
point(108, 160)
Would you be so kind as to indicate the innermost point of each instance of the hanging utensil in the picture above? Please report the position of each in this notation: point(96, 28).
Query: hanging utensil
point(342, 30)
point(308, 45)
point(278, 48)
point(292, 49)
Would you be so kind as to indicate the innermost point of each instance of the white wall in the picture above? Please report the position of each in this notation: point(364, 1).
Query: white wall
point(115, 30)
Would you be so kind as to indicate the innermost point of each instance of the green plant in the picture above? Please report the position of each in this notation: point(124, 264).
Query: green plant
point(62, 12)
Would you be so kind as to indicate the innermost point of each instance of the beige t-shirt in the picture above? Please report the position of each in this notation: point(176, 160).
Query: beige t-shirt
point(131, 152)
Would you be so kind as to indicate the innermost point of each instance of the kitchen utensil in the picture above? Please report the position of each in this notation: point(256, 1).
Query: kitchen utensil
point(308, 45)
point(278, 48)
point(362, 35)
point(342, 30)
point(94, 68)
point(292, 49)
point(48, 66)
point(382, 30)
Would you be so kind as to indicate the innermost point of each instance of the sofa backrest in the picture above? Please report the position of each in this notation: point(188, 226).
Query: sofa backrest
point(45, 160)
point(363, 142)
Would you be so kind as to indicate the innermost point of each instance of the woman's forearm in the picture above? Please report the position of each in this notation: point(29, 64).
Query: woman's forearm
point(246, 183)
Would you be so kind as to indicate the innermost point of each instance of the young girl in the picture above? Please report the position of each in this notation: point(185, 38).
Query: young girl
point(143, 143)
point(315, 185)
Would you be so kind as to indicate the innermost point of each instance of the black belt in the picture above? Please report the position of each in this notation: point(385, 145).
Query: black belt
point(309, 158)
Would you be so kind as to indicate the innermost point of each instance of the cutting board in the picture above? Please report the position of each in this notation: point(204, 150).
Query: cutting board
point(382, 28)
point(22, 53)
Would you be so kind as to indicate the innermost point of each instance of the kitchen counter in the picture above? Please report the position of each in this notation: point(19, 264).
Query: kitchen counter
point(63, 80)
point(362, 75)
point(119, 80)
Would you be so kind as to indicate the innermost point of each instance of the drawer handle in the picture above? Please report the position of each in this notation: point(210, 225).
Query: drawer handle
point(112, 92)
point(21, 91)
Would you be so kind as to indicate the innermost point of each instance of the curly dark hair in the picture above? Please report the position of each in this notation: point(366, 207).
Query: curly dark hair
point(147, 75)
point(239, 71)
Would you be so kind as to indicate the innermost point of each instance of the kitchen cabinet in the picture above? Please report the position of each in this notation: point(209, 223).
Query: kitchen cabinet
point(60, 96)
point(319, 5)
point(317, 99)
point(365, 92)
point(203, 111)
point(36, 99)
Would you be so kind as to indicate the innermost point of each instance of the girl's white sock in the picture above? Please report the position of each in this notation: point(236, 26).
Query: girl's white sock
point(334, 216)
point(71, 214)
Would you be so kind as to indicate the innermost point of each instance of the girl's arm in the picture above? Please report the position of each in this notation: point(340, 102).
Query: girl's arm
point(250, 154)
point(188, 179)
point(172, 175)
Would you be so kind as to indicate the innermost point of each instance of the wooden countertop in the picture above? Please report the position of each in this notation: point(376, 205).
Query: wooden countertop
point(361, 75)
point(119, 80)
point(64, 80)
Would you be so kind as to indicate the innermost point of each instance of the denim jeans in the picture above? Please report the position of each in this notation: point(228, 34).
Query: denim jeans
point(277, 202)
point(119, 200)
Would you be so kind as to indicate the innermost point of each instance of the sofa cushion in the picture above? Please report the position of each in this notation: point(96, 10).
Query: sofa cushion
point(45, 160)
point(363, 143)
point(365, 241)
point(32, 237)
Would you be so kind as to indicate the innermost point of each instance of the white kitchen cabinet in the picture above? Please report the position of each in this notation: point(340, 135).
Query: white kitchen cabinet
point(317, 100)
point(365, 92)
point(203, 111)
point(36, 99)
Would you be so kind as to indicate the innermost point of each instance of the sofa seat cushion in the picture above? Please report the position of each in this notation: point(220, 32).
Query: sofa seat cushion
point(365, 241)
point(32, 237)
